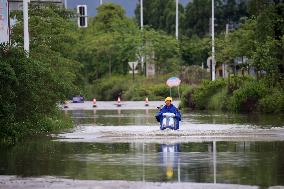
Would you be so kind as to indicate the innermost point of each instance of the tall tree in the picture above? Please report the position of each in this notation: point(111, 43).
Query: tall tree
point(261, 40)
point(53, 40)
point(198, 14)
point(109, 43)
point(161, 14)
point(163, 51)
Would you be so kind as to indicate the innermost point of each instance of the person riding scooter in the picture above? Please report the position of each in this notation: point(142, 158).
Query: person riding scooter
point(168, 110)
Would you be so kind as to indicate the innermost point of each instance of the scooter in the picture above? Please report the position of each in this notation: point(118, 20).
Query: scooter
point(169, 121)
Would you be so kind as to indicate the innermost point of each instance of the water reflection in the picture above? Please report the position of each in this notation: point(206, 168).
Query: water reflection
point(173, 160)
point(247, 163)
point(170, 160)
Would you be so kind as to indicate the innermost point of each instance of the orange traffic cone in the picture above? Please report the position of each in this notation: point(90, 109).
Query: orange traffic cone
point(118, 102)
point(94, 102)
point(146, 102)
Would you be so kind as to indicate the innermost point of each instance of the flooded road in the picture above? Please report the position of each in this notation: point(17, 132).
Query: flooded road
point(123, 147)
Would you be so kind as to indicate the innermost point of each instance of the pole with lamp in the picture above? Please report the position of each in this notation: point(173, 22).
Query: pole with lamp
point(177, 19)
point(141, 14)
point(213, 43)
point(26, 26)
point(141, 27)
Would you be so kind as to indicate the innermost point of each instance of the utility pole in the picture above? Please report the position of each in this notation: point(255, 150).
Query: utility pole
point(224, 67)
point(213, 44)
point(141, 26)
point(141, 14)
point(177, 19)
point(26, 26)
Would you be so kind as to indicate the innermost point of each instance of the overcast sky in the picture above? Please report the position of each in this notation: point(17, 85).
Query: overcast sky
point(128, 5)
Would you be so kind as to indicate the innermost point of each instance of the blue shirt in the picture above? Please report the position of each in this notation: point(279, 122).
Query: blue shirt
point(168, 109)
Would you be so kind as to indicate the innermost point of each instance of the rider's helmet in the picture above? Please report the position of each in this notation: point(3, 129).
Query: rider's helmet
point(168, 99)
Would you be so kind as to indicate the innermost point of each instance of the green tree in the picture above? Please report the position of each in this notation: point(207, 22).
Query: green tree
point(198, 14)
point(162, 50)
point(259, 39)
point(195, 50)
point(107, 14)
point(53, 40)
point(161, 15)
point(30, 91)
point(36, 84)
point(109, 43)
point(239, 43)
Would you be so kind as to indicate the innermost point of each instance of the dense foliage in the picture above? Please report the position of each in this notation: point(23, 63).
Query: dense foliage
point(112, 40)
point(128, 89)
point(194, 17)
point(249, 96)
point(33, 84)
point(29, 92)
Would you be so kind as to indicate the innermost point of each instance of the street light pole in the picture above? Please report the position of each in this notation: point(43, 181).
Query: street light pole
point(26, 26)
point(141, 14)
point(176, 19)
point(141, 26)
point(213, 44)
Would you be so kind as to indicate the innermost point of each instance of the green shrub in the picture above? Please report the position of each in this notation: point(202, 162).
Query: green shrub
point(245, 99)
point(29, 93)
point(193, 74)
point(12, 131)
point(111, 88)
point(137, 93)
point(160, 91)
point(107, 88)
point(202, 94)
point(274, 102)
point(235, 82)
point(186, 98)
point(219, 100)
point(241, 94)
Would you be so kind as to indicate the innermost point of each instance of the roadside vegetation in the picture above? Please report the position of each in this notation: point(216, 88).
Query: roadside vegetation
point(32, 86)
point(261, 40)
point(249, 95)
point(30, 91)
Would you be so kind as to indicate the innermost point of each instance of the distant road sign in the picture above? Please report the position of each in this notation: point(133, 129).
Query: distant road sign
point(133, 65)
point(135, 71)
point(150, 70)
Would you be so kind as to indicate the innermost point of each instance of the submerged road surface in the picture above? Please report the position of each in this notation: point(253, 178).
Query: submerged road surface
point(123, 147)
point(189, 131)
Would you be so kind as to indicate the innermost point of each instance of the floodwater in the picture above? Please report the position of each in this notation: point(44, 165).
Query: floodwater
point(125, 144)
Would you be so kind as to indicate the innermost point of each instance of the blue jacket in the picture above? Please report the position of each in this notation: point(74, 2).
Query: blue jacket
point(168, 109)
